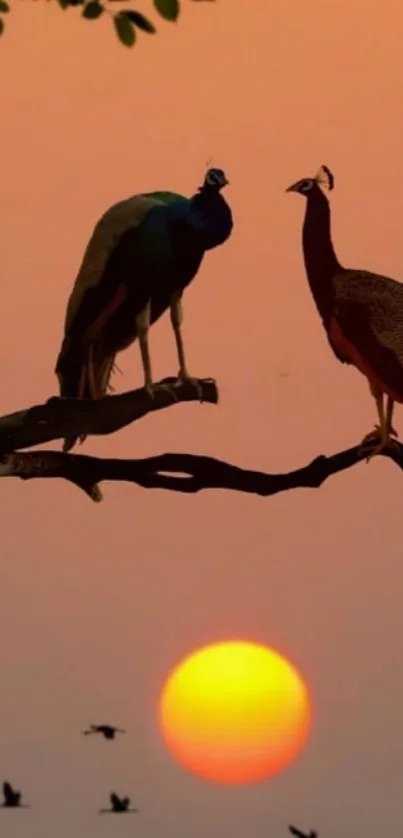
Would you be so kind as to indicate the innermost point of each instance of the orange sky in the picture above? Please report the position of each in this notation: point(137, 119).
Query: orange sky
point(98, 602)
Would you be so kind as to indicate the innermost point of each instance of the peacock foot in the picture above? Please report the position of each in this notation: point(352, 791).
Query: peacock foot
point(375, 443)
point(151, 389)
point(185, 378)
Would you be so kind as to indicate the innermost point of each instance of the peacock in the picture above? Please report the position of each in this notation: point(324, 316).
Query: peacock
point(143, 253)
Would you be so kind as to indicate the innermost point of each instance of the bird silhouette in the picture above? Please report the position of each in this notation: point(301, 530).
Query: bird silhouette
point(295, 831)
point(108, 731)
point(142, 255)
point(118, 804)
point(361, 311)
point(12, 798)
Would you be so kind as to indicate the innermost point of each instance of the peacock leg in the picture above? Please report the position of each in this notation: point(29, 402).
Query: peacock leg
point(143, 327)
point(380, 438)
point(177, 320)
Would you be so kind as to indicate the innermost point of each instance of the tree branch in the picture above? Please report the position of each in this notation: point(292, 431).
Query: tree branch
point(58, 418)
point(198, 472)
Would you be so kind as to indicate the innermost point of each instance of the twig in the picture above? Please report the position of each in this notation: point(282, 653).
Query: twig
point(59, 418)
point(200, 472)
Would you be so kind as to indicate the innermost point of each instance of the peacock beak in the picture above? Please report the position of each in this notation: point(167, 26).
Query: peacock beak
point(293, 187)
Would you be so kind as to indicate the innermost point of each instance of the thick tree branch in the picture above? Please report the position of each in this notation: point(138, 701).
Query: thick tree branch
point(162, 472)
point(58, 418)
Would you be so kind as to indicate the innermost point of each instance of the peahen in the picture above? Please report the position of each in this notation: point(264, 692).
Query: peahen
point(143, 253)
point(362, 312)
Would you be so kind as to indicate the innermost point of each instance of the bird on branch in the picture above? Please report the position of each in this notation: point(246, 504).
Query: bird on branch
point(362, 312)
point(118, 804)
point(12, 798)
point(108, 731)
point(143, 253)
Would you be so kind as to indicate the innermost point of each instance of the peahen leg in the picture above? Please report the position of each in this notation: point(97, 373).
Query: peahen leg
point(381, 438)
point(389, 414)
point(177, 320)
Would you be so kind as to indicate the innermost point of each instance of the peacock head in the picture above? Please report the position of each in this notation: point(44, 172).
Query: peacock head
point(215, 179)
point(323, 180)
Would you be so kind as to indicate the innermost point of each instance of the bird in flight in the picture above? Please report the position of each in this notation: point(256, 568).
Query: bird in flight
point(362, 312)
point(295, 831)
point(118, 804)
point(143, 253)
point(12, 798)
point(108, 731)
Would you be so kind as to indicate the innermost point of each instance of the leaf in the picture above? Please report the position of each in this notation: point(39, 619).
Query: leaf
point(139, 20)
point(1, 25)
point(168, 9)
point(64, 4)
point(92, 10)
point(124, 29)
point(4, 7)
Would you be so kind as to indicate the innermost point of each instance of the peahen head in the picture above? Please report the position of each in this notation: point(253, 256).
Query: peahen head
point(323, 180)
point(215, 179)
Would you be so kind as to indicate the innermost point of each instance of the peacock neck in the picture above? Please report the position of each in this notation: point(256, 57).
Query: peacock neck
point(321, 262)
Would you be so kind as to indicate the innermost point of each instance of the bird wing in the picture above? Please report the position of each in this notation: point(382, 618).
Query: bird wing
point(296, 831)
point(368, 324)
point(87, 355)
point(130, 244)
point(106, 235)
point(116, 221)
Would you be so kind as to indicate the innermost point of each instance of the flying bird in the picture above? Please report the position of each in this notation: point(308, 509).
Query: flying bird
point(12, 798)
point(119, 804)
point(362, 312)
point(108, 731)
point(295, 831)
point(143, 253)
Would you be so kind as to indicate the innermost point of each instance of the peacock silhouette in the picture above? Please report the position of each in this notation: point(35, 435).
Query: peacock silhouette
point(143, 253)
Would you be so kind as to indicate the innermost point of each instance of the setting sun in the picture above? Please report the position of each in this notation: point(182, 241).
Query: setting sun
point(235, 713)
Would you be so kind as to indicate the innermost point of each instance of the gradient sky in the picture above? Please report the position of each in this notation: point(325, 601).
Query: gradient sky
point(98, 602)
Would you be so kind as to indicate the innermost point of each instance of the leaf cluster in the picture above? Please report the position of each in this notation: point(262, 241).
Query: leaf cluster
point(126, 22)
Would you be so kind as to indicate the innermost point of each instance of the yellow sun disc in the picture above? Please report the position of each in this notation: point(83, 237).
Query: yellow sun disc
point(235, 712)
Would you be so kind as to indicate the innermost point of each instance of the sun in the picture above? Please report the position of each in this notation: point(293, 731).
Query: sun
point(235, 712)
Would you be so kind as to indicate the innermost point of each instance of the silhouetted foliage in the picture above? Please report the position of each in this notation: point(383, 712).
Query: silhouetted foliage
point(126, 22)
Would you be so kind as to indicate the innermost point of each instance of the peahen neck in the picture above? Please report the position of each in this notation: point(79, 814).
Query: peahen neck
point(321, 262)
point(215, 217)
